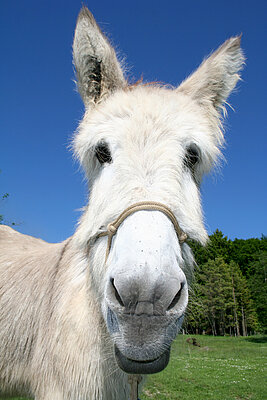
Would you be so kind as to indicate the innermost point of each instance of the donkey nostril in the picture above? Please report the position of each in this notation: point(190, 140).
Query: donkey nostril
point(176, 298)
point(116, 293)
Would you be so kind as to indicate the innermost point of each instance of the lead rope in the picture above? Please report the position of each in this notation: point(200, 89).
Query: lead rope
point(141, 206)
point(134, 381)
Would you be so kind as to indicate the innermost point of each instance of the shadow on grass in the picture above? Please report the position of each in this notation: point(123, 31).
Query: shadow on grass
point(257, 339)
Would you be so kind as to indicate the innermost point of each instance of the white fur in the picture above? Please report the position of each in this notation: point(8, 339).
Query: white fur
point(54, 298)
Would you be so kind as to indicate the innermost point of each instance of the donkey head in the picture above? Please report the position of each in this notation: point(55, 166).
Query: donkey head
point(145, 143)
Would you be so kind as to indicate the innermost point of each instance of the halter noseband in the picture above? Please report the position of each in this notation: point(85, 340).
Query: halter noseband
point(141, 206)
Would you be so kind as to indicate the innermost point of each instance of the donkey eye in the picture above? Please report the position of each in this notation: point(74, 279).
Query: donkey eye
point(102, 153)
point(191, 157)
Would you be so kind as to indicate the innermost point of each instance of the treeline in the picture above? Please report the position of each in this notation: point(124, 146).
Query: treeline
point(229, 291)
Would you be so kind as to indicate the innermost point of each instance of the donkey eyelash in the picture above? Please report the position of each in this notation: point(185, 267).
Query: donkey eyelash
point(102, 153)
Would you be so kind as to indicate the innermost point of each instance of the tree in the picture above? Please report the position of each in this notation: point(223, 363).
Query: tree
point(220, 301)
point(246, 260)
point(246, 252)
point(218, 246)
point(216, 294)
point(244, 308)
point(257, 284)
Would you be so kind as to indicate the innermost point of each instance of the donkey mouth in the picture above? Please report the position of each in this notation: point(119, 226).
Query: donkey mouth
point(131, 366)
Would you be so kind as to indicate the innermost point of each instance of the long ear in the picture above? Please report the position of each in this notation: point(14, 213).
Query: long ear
point(217, 76)
point(97, 68)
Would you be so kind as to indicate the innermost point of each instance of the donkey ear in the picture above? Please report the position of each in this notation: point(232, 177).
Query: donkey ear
point(97, 68)
point(217, 76)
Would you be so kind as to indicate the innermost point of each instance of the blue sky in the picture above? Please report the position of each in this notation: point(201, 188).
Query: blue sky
point(164, 41)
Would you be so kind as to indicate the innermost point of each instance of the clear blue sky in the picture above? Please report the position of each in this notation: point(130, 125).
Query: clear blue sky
point(163, 40)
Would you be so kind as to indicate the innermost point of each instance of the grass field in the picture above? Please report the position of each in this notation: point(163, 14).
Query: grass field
point(223, 368)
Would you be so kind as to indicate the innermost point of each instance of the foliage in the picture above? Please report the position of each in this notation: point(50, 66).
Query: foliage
point(217, 246)
point(220, 302)
point(257, 283)
point(246, 252)
point(242, 251)
point(229, 292)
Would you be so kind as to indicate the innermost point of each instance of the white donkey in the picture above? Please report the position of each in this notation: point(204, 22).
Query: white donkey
point(78, 316)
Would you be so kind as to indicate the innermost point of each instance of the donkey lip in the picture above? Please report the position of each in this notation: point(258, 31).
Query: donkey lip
point(131, 366)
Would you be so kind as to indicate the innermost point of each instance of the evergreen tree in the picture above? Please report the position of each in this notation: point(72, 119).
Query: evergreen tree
point(215, 293)
point(218, 246)
point(246, 252)
point(246, 317)
point(258, 287)
point(220, 301)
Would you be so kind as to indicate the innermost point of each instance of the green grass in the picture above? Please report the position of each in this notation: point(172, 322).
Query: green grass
point(223, 368)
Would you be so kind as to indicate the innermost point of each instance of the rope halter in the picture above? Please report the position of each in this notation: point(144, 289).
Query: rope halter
point(141, 206)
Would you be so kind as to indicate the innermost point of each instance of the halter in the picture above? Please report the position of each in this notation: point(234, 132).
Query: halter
point(112, 228)
point(141, 206)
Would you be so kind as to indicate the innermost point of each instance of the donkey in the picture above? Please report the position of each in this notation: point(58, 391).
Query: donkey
point(76, 318)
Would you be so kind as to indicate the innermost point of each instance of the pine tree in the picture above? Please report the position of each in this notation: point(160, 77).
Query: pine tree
point(220, 301)
point(257, 284)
